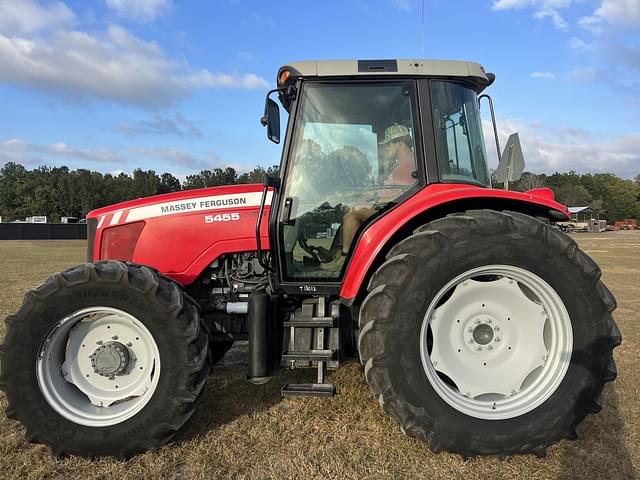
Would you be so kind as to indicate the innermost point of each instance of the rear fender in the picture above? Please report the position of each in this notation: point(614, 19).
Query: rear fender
point(435, 201)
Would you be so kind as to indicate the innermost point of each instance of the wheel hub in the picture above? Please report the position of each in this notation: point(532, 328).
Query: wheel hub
point(110, 359)
point(483, 334)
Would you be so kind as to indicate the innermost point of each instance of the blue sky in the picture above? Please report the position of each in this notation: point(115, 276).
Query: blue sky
point(179, 86)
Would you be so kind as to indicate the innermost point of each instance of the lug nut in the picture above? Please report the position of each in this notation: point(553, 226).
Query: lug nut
point(489, 347)
point(471, 340)
point(470, 330)
point(497, 328)
point(99, 342)
point(115, 337)
point(497, 339)
point(478, 348)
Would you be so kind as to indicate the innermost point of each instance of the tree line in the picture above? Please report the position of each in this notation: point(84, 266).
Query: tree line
point(613, 197)
point(59, 191)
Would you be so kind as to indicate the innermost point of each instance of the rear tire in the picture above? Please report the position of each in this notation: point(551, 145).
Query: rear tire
point(158, 358)
point(402, 334)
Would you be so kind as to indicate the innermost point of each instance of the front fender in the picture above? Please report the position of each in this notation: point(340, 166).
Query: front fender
point(434, 201)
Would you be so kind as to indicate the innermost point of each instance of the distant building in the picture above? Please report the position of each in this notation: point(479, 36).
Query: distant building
point(586, 218)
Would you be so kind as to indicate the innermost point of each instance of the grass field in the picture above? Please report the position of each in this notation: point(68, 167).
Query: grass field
point(246, 431)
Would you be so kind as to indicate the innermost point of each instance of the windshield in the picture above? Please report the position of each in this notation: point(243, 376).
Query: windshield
point(352, 156)
point(459, 139)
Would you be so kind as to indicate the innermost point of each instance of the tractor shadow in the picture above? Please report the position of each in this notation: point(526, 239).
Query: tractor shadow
point(228, 395)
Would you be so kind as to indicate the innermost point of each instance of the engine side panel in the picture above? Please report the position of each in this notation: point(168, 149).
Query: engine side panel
point(376, 236)
point(185, 231)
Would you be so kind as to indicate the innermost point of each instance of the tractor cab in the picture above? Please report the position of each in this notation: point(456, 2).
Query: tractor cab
point(362, 137)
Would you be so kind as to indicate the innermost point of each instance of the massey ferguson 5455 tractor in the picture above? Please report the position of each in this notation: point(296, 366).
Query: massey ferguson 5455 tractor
point(481, 329)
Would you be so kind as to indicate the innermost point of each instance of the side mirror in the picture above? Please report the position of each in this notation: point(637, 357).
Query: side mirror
point(271, 120)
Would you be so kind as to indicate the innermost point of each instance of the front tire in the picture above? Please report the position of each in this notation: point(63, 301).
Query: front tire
point(104, 359)
point(488, 333)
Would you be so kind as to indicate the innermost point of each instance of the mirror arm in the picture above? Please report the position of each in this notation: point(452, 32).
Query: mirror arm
point(263, 119)
point(493, 120)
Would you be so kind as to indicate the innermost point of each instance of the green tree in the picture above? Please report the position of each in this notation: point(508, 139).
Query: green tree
point(145, 183)
point(168, 183)
point(12, 176)
point(573, 195)
point(621, 200)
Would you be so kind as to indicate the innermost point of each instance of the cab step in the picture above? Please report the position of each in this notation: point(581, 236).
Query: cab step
point(308, 390)
point(312, 328)
point(314, 322)
point(310, 355)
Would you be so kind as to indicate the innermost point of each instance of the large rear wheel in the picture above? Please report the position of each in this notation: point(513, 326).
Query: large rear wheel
point(104, 359)
point(488, 333)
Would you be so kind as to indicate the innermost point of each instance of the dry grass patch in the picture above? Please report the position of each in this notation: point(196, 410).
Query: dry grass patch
point(246, 431)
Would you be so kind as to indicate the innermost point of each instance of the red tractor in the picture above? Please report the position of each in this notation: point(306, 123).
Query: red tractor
point(481, 329)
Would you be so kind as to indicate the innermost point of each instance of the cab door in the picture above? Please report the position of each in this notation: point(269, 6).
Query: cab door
point(354, 153)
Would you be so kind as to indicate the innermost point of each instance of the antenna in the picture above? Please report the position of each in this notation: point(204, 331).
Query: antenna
point(422, 17)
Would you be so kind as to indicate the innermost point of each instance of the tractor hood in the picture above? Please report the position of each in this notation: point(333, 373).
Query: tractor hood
point(179, 233)
point(184, 200)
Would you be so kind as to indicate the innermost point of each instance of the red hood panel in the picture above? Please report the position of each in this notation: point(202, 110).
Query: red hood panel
point(186, 231)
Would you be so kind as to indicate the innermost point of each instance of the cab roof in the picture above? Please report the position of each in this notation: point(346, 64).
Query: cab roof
point(398, 67)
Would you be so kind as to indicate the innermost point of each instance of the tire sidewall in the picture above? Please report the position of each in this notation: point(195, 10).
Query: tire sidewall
point(43, 317)
point(402, 340)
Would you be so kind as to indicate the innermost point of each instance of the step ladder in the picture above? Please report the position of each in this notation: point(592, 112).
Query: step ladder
point(313, 317)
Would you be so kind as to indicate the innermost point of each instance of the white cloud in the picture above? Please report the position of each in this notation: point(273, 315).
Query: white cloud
point(544, 75)
point(592, 24)
point(555, 17)
point(620, 12)
point(263, 20)
point(18, 150)
point(27, 16)
point(518, 4)
point(115, 66)
point(246, 56)
point(548, 149)
point(404, 5)
point(140, 10)
point(173, 156)
point(543, 9)
point(205, 78)
point(160, 124)
point(586, 74)
point(576, 43)
point(617, 13)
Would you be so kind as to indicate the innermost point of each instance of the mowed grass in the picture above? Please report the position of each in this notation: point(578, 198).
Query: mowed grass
point(246, 431)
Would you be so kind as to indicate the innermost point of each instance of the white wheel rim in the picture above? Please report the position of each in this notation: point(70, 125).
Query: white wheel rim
point(506, 351)
point(72, 366)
